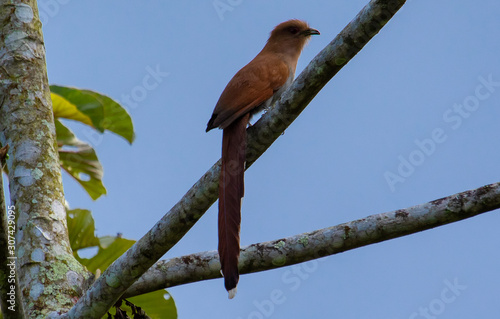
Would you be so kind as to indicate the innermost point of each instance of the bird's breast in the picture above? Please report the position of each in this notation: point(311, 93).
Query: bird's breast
point(277, 94)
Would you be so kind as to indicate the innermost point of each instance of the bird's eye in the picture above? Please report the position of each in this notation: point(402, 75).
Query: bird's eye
point(293, 30)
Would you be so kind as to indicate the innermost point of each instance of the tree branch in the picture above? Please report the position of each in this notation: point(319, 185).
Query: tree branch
point(172, 227)
point(323, 242)
point(48, 274)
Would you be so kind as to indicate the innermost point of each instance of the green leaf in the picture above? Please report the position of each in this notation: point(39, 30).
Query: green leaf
point(65, 109)
point(157, 305)
point(80, 161)
point(81, 229)
point(104, 113)
point(110, 248)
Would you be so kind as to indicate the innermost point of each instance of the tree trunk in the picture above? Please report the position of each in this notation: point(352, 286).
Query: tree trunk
point(50, 279)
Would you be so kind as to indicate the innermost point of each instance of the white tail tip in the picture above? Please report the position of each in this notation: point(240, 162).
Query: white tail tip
point(232, 293)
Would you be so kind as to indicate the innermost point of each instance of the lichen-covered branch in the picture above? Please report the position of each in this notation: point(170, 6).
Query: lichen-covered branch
point(172, 227)
point(49, 277)
point(323, 242)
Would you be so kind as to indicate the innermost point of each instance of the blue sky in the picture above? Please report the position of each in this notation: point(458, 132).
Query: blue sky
point(410, 96)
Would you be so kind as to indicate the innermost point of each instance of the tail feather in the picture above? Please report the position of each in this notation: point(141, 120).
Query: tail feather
point(231, 189)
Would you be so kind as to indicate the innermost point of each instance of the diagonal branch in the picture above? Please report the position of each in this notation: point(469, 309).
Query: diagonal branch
point(322, 242)
point(172, 227)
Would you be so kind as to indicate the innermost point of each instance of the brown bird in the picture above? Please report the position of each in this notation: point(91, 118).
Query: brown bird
point(255, 87)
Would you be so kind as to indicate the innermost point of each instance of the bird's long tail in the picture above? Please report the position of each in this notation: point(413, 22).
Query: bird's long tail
point(231, 189)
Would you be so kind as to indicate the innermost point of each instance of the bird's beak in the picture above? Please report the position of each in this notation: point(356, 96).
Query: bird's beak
point(310, 32)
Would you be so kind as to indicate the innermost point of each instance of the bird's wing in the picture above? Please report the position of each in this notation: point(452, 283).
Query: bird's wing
point(249, 88)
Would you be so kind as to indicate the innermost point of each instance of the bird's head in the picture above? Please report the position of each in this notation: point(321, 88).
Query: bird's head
point(290, 35)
